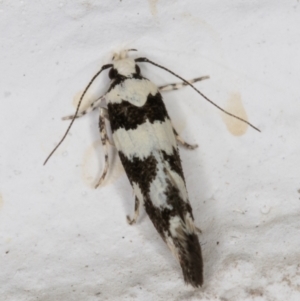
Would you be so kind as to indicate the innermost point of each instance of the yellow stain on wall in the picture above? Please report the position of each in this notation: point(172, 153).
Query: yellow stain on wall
point(86, 101)
point(235, 106)
point(153, 9)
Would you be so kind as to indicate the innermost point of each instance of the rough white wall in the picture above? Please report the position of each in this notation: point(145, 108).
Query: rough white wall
point(60, 239)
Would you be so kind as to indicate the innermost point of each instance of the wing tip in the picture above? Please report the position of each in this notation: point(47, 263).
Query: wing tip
point(191, 261)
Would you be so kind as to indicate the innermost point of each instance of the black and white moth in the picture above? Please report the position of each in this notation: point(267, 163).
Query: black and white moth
point(146, 142)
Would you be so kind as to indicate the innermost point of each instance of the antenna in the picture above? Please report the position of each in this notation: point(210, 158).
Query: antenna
point(76, 112)
point(145, 60)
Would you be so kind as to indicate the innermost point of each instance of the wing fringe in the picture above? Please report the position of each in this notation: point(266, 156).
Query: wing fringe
point(186, 249)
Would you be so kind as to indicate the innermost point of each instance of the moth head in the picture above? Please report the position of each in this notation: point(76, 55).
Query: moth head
point(122, 54)
point(123, 66)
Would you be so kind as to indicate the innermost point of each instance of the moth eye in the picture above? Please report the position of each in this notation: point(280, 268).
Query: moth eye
point(137, 70)
point(112, 73)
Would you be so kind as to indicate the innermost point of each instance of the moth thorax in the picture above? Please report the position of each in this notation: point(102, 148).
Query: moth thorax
point(125, 67)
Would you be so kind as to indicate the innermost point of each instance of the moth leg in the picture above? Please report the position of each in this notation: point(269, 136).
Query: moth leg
point(182, 142)
point(105, 141)
point(92, 106)
point(133, 220)
point(106, 116)
point(176, 86)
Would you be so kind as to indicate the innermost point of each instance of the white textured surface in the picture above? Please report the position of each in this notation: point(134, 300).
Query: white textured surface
point(62, 240)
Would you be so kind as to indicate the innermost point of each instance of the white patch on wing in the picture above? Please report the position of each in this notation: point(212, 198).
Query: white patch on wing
point(145, 139)
point(133, 90)
point(190, 226)
point(138, 192)
point(179, 183)
point(158, 186)
point(175, 224)
point(171, 246)
point(178, 227)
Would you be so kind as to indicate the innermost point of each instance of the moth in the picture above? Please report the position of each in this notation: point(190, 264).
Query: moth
point(147, 144)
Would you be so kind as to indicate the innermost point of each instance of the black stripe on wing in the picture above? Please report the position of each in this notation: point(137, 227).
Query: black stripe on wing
point(128, 116)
